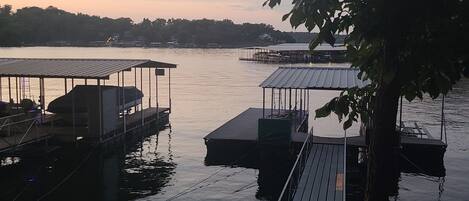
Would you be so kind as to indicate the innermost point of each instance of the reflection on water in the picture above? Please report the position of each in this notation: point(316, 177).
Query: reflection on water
point(123, 172)
point(210, 86)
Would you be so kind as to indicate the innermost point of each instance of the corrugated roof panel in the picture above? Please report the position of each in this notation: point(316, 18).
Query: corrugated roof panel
point(72, 68)
point(314, 78)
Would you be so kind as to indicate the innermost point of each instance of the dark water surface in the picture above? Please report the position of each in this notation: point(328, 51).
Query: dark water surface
point(209, 87)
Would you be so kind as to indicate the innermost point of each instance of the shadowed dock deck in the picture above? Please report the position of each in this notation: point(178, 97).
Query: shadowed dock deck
point(244, 127)
point(48, 130)
point(323, 176)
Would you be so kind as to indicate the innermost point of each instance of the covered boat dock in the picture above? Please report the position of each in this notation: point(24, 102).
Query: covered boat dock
point(95, 115)
point(295, 53)
point(320, 169)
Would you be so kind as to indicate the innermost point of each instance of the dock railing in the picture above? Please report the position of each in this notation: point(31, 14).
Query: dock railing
point(291, 184)
point(15, 132)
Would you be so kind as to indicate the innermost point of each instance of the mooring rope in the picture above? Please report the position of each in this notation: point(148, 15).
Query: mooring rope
point(68, 176)
point(419, 168)
point(192, 189)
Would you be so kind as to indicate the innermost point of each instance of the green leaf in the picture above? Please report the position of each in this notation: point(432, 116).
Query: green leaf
point(348, 123)
point(324, 111)
point(285, 17)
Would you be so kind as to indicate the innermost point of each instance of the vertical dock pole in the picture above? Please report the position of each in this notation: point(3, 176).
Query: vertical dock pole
point(9, 89)
point(65, 84)
point(149, 88)
point(135, 85)
point(442, 118)
point(263, 102)
point(141, 99)
point(41, 96)
point(100, 110)
point(272, 104)
point(123, 103)
point(73, 115)
point(169, 88)
point(279, 100)
point(16, 86)
point(156, 98)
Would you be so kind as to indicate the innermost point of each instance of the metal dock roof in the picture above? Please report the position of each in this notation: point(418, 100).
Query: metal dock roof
point(314, 78)
point(72, 68)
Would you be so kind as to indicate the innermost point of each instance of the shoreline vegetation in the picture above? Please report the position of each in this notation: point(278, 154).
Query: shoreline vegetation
point(53, 27)
point(34, 26)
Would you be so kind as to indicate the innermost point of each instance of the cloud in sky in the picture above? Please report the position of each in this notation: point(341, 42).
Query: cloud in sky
point(239, 11)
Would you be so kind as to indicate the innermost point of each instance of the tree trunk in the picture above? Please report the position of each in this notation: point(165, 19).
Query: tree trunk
point(384, 148)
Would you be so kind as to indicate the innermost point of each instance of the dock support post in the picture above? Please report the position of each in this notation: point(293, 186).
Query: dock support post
point(156, 100)
point(263, 102)
point(344, 193)
point(306, 102)
point(41, 97)
point(65, 84)
point(141, 99)
point(123, 103)
point(100, 110)
point(296, 99)
point(279, 100)
point(285, 99)
point(169, 88)
point(442, 118)
point(73, 115)
point(400, 115)
point(272, 104)
point(301, 104)
point(135, 85)
point(16, 86)
point(9, 89)
point(149, 88)
point(289, 101)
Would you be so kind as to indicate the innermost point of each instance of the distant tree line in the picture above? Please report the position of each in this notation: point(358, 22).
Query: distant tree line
point(33, 25)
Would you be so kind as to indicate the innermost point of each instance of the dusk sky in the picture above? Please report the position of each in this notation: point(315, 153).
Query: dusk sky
point(239, 11)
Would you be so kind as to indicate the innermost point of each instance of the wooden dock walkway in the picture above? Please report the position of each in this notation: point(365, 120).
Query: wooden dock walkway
point(323, 176)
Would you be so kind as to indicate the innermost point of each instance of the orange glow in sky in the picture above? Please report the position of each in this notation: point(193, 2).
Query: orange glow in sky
point(237, 10)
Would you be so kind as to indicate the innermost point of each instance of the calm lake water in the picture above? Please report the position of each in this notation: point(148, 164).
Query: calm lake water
point(209, 87)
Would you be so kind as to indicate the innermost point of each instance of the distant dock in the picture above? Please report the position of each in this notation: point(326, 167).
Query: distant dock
point(294, 53)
